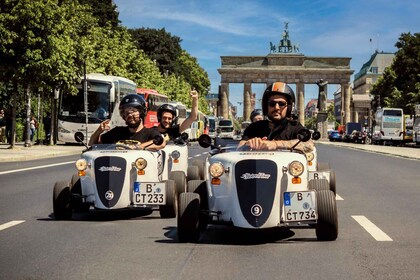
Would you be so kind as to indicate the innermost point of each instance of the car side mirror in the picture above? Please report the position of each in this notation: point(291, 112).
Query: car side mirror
point(316, 135)
point(304, 135)
point(204, 140)
point(158, 140)
point(184, 136)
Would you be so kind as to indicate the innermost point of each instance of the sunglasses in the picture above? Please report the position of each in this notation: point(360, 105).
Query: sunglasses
point(273, 103)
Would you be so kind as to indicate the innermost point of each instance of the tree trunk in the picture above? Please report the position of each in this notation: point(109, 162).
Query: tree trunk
point(28, 117)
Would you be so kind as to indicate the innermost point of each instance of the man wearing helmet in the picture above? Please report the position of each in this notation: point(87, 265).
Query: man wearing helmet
point(167, 118)
point(256, 115)
point(279, 130)
point(133, 110)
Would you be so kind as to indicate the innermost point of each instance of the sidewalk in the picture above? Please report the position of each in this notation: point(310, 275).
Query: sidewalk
point(22, 153)
point(410, 152)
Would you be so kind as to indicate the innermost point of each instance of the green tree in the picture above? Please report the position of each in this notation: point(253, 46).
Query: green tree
point(105, 11)
point(399, 84)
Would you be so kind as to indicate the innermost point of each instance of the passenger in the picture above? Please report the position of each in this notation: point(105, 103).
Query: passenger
point(168, 121)
point(132, 110)
point(279, 130)
point(256, 115)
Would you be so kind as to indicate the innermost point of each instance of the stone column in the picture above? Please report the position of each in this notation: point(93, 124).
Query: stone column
point(247, 101)
point(347, 100)
point(343, 104)
point(300, 95)
point(224, 100)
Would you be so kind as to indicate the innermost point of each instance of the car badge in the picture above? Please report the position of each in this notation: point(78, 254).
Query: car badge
point(109, 195)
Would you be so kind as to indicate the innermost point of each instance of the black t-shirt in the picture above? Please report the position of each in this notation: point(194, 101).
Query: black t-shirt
point(287, 130)
point(173, 131)
point(121, 133)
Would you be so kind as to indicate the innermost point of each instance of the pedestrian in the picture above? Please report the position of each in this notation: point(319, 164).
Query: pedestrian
point(46, 121)
point(132, 110)
point(9, 122)
point(2, 126)
point(279, 130)
point(33, 124)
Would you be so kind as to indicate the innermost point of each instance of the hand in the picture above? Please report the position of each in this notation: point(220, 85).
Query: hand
point(261, 144)
point(104, 125)
point(194, 94)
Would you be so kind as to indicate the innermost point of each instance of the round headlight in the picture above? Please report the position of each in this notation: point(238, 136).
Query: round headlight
point(175, 154)
point(216, 169)
point(310, 156)
point(140, 163)
point(296, 168)
point(81, 164)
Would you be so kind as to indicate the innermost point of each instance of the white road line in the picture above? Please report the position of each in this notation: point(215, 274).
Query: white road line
point(337, 197)
point(35, 167)
point(10, 224)
point(197, 156)
point(370, 227)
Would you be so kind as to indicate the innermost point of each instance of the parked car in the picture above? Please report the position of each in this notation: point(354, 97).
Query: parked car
point(335, 136)
point(358, 137)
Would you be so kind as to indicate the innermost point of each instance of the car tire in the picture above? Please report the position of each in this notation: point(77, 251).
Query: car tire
point(180, 181)
point(199, 187)
point(61, 201)
point(326, 228)
point(76, 195)
point(319, 185)
point(332, 182)
point(201, 166)
point(188, 217)
point(193, 173)
point(323, 166)
point(169, 210)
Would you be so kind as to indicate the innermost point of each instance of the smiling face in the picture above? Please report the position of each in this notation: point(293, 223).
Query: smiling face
point(131, 117)
point(166, 120)
point(277, 107)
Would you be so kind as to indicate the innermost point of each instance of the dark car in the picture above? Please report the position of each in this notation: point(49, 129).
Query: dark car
point(335, 136)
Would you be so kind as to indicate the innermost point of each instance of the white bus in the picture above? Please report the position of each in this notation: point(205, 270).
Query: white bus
point(389, 126)
point(225, 129)
point(104, 93)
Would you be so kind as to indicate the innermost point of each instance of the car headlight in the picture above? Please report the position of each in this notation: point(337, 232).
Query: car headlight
point(140, 163)
point(175, 154)
point(216, 169)
point(296, 168)
point(81, 164)
point(310, 156)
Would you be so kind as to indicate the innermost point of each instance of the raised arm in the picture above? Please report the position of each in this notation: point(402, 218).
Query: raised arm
point(194, 112)
point(94, 138)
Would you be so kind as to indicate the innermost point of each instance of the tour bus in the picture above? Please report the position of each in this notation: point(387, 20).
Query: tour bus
point(389, 126)
point(225, 129)
point(212, 126)
point(181, 111)
point(103, 93)
point(153, 100)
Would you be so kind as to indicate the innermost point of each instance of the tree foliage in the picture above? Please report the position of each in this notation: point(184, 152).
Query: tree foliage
point(399, 86)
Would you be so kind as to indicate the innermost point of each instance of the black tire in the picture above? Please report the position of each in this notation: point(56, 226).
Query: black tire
point(319, 185)
point(323, 166)
point(188, 217)
point(201, 166)
point(326, 228)
point(332, 182)
point(76, 197)
point(169, 210)
point(199, 187)
point(193, 173)
point(180, 181)
point(61, 201)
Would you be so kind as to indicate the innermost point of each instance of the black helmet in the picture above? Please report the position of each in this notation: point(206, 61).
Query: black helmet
point(255, 113)
point(278, 88)
point(134, 101)
point(167, 108)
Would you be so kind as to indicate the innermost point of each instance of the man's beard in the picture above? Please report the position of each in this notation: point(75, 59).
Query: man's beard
point(135, 124)
point(275, 121)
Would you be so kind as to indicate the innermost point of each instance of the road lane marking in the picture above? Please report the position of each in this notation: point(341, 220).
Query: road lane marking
point(10, 224)
point(371, 228)
point(337, 197)
point(35, 167)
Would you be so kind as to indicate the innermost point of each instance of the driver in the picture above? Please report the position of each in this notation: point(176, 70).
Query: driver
point(167, 118)
point(279, 131)
point(132, 110)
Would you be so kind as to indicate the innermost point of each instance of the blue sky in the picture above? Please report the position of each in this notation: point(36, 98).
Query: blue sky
point(210, 29)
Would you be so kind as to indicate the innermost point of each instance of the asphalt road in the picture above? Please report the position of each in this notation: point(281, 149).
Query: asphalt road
point(378, 210)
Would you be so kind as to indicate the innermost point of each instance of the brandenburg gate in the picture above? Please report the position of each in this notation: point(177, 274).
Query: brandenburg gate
point(284, 66)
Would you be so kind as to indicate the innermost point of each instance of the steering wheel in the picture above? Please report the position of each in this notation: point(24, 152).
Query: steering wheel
point(126, 144)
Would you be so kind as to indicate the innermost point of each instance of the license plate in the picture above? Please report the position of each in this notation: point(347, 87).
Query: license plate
point(149, 193)
point(319, 175)
point(299, 206)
